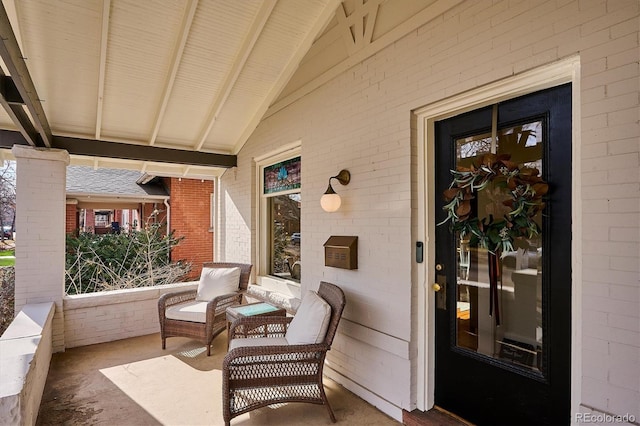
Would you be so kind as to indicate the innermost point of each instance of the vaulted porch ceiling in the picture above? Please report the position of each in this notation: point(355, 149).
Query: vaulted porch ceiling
point(189, 75)
point(176, 87)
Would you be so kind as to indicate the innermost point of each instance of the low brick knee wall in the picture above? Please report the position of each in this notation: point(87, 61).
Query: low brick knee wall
point(25, 355)
point(114, 315)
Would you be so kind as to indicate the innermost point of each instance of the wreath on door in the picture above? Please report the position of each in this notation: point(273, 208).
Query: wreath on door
point(526, 189)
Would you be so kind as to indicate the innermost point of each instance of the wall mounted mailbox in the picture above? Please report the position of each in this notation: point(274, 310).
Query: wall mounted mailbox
point(341, 252)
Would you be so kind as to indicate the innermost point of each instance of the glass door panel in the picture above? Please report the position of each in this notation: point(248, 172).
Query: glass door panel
point(513, 333)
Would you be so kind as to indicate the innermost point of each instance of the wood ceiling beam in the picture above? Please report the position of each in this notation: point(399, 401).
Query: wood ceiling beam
point(9, 90)
point(124, 151)
point(18, 115)
point(247, 46)
point(106, 9)
point(187, 21)
point(17, 67)
point(287, 72)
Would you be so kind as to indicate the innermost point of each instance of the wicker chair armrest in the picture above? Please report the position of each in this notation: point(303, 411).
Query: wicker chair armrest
point(269, 326)
point(225, 298)
point(174, 298)
point(270, 355)
point(219, 305)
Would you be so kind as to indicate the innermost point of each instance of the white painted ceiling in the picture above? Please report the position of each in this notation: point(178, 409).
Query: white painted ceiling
point(192, 74)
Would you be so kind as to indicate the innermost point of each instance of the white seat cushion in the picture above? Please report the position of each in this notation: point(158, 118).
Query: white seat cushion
point(258, 341)
point(215, 282)
point(193, 311)
point(311, 321)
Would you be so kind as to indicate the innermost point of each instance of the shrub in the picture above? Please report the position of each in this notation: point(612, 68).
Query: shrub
point(7, 291)
point(118, 261)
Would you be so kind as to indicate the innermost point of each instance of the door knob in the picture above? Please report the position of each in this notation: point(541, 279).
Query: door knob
point(436, 287)
point(439, 267)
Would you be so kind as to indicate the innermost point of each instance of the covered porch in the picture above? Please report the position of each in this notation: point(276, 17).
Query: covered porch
point(133, 381)
point(224, 91)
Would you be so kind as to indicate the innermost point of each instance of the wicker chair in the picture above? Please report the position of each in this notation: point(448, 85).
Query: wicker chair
point(216, 320)
point(257, 376)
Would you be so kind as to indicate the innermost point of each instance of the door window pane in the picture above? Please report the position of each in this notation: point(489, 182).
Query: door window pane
point(518, 337)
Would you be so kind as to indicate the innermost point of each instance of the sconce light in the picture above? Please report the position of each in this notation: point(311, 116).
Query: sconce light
point(330, 201)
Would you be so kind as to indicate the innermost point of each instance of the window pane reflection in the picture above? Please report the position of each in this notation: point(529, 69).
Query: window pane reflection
point(285, 236)
point(518, 338)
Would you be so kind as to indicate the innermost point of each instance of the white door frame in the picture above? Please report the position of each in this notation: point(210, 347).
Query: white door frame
point(554, 74)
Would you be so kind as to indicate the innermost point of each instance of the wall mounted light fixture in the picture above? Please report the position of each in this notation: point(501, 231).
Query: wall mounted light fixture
point(330, 201)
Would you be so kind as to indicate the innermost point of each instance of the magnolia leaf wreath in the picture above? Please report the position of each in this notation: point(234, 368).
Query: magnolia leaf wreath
point(526, 189)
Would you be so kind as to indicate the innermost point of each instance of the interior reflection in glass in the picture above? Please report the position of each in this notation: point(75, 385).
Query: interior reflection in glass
point(518, 339)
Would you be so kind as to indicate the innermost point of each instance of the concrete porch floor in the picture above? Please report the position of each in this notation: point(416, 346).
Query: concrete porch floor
point(135, 382)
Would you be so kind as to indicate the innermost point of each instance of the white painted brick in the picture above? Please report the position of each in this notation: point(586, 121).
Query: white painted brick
point(620, 219)
point(592, 344)
point(626, 205)
point(594, 392)
point(625, 353)
point(631, 323)
point(629, 264)
point(622, 146)
point(595, 365)
point(361, 121)
point(625, 292)
point(618, 277)
point(622, 400)
point(624, 175)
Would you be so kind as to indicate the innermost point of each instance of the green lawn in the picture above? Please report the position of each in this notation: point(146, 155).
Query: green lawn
point(7, 262)
point(7, 252)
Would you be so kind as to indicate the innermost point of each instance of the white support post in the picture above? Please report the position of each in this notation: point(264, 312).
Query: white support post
point(40, 231)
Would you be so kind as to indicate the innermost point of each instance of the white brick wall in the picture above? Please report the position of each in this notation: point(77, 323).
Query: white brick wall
point(40, 202)
point(25, 354)
point(114, 315)
point(361, 121)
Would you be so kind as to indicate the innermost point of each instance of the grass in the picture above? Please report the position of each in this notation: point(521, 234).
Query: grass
point(7, 252)
point(7, 262)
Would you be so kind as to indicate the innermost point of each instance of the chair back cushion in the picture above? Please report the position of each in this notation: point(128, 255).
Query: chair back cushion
point(215, 282)
point(311, 321)
point(189, 311)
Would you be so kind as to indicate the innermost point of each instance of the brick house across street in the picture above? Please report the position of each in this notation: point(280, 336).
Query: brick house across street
point(117, 200)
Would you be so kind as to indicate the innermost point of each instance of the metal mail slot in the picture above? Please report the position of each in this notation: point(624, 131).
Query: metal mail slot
point(341, 252)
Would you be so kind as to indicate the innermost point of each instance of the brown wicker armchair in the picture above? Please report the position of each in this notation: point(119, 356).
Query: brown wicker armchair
point(215, 311)
point(257, 376)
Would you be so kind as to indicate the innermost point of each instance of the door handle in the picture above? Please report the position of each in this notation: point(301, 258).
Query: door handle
point(440, 289)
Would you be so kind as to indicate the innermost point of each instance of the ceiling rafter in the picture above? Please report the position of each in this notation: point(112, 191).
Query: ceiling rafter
point(106, 9)
point(260, 20)
point(17, 67)
point(190, 11)
point(320, 23)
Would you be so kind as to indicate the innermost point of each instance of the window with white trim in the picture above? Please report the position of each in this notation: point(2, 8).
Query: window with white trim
point(279, 215)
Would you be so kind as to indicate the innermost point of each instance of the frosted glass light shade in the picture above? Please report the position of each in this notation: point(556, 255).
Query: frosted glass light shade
point(330, 202)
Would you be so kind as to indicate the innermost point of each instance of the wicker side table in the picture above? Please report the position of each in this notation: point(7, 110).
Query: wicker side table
point(252, 310)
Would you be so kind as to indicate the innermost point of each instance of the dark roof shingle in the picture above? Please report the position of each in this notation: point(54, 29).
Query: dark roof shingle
point(109, 182)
